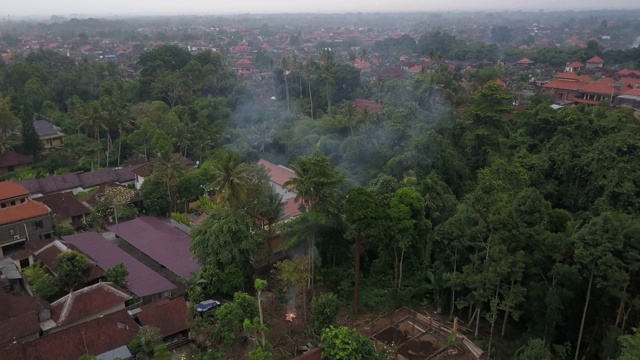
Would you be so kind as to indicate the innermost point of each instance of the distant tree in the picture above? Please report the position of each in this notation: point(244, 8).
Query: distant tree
point(31, 144)
point(343, 343)
point(154, 195)
point(534, 350)
point(8, 126)
point(324, 310)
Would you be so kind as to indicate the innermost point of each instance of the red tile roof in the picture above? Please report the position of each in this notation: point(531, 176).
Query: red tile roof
point(315, 354)
point(27, 210)
point(624, 72)
point(575, 65)
point(595, 60)
point(371, 106)
point(416, 68)
point(12, 158)
point(95, 337)
point(586, 101)
point(606, 80)
point(630, 81)
point(18, 327)
point(563, 85)
point(602, 89)
point(87, 302)
point(572, 76)
point(632, 92)
point(278, 174)
point(141, 280)
point(501, 83)
point(19, 316)
point(161, 242)
point(170, 316)
point(291, 208)
point(524, 61)
point(10, 190)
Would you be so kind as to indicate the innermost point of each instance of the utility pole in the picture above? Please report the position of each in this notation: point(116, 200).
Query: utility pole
point(115, 212)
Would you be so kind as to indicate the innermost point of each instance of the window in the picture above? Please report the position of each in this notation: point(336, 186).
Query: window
point(12, 232)
point(47, 236)
point(13, 202)
point(38, 224)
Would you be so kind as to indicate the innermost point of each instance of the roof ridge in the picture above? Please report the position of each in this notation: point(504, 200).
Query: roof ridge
point(66, 308)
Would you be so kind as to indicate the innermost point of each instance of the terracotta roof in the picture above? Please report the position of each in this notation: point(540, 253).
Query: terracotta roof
point(64, 205)
point(606, 80)
point(291, 208)
point(500, 82)
point(97, 336)
point(142, 280)
point(572, 76)
point(595, 88)
point(624, 72)
point(630, 81)
point(524, 61)
point(371, 106)
point(586, 101)
point(575, 65)
point(632, 92)
point(277, 173)
point(10, 190)
point(27, 210)
point(170, 316)
point(20, 326)
point(416, 68)
point(315, 354)
point(12, 158)
point(161, 242)
point(595, 60)
point(49, 254)
point(86, 302)
point(563, 85)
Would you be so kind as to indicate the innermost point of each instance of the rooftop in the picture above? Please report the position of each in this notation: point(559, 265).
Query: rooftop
point(12, 158)
point(86, 302)
point(45, 129)
point(9, 190)
point(27, 210)
point(170, 316)
point(64, 205)
point(277, 173)
point(141, 281)
point(161, 242)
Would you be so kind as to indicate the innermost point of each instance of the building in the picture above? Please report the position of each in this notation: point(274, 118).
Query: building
point(20, 315)
point(48, 256)
point(67, 210)
point(142, 281)
point(22, 220)
point(629, 98)
point(164, 244)
point(595, 62)
point(172, 317)
point(50, 134)
point(574, 67)
point(11, 161)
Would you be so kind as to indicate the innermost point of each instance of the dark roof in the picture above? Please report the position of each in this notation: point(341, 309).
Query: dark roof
point(161, 242)
point(87, 302)
point(48, 255)
point(64, 205)
point(12, 158)
point(19, 316)
point(170, 316)
point(85, 180)
point(315, 354)
point(46, 129)
point(142, 281)
point(97, 336)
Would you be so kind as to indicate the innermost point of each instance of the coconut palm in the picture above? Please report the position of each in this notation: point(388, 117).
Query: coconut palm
point(230, 179)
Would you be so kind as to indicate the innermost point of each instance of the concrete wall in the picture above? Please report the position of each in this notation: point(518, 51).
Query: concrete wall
point(26, 230)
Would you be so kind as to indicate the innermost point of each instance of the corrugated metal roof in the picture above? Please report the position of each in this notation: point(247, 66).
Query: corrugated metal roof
point(161, 242)
point(142, 280)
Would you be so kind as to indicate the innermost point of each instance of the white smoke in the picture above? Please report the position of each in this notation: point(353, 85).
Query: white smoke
point(636, 42)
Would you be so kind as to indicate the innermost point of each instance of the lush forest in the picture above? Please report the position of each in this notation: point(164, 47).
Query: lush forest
point(522, 223)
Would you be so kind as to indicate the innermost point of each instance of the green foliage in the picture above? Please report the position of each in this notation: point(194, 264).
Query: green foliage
point(630, 346)
point(324, 310)
point(342, 343)
point(43, 284)
point(118, 275)
point(229, 318)
point(181, 218)
point(31, 144)
point(63, 230)
point(154, 196)
point(247, 303)
point(71, 267)
point(534, 350)
point(145, 341)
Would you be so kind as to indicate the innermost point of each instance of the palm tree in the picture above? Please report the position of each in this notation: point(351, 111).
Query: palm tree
point(328, 62)
point(170, 167)
point(308, 70)
point(231, 178)
point(316, 185)
point(285, 65)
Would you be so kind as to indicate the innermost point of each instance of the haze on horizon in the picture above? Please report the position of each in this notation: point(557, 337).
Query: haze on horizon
point(47, 8)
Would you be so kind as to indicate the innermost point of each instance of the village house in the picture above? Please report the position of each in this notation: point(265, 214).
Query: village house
point(595, 62)
point(172, 317)
point(50, 134)
point(11, 161)
point(22, 220)
point(67, 209)
point(48, 256)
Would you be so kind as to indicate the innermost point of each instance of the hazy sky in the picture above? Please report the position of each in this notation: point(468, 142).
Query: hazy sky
point(207, 7)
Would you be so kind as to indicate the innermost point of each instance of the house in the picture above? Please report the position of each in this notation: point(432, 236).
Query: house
point(11, 161)
point(67, 210)
point(104, 337)
point(21, 220)
point(78, 182)
point(142, 281)
point(368, 105)
point(86, 304)
point(48, 256)
point(524, 62)
point(595, 62)
point(595, 93)
point(20, 315)
point(574, 67)
point(50, 134)
point(500, 82)
point(172, 317)
point(629, 98)
point(162, 243)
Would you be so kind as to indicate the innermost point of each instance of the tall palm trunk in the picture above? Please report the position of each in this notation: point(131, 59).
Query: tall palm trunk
point(311, 100)
point(400, 269)
point(356, 290)
point(584, 312)
point(119, 144)
point(286, 90)
point(506, 312)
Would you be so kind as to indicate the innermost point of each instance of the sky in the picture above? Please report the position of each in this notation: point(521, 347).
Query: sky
point(19, 8)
